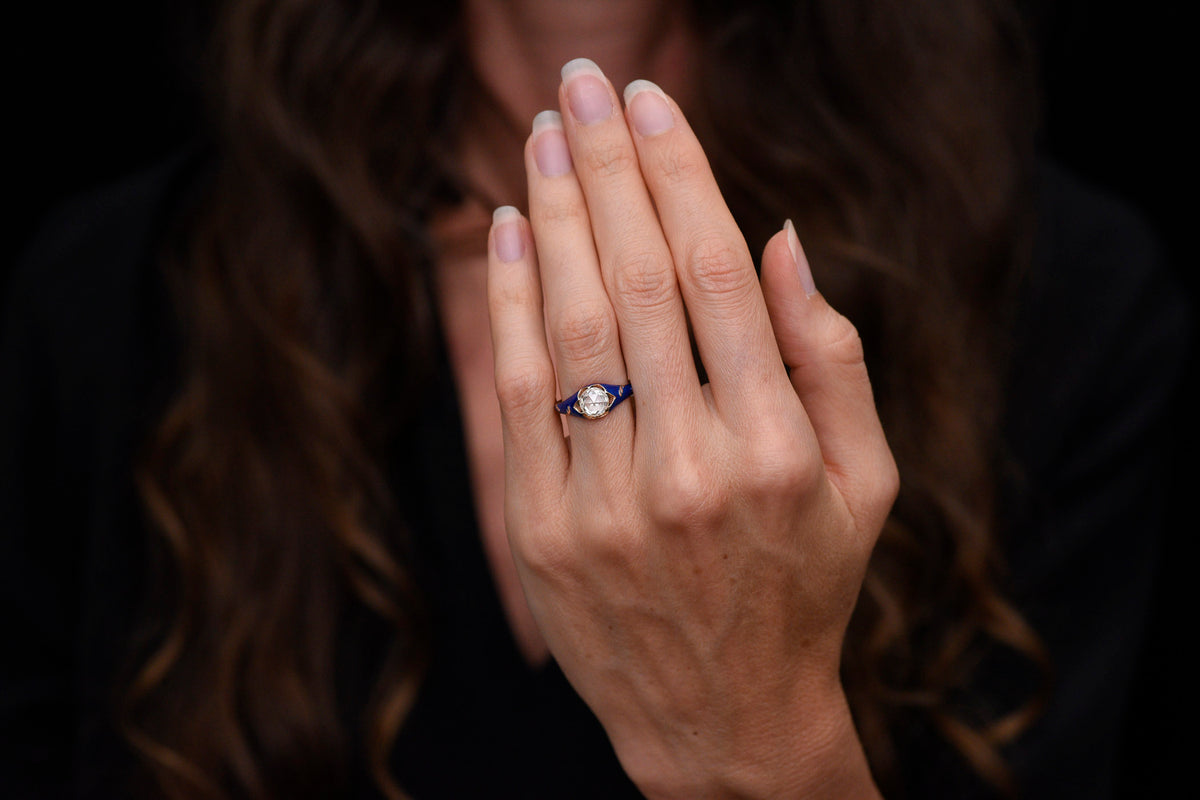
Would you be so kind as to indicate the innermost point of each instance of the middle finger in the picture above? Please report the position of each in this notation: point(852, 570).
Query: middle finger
point(716, 273)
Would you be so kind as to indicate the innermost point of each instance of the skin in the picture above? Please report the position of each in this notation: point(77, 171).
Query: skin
point(692, 559)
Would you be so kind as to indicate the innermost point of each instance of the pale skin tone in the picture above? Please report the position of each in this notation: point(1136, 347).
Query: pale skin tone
point(692, 559)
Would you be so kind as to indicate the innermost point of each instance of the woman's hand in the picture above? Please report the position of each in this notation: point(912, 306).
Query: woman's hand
point(693, 557)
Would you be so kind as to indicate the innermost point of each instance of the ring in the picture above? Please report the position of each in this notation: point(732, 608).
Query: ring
point(594, 400)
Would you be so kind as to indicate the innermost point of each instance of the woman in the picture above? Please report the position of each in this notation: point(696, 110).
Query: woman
point(332, 607)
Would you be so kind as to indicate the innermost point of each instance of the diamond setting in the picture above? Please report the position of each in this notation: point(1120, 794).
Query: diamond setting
point(594, 401)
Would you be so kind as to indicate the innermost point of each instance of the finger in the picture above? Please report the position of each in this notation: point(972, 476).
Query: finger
point(581, 323)
point(635, 261)
point(716, 273)
point(534, 449)
point(824, 353)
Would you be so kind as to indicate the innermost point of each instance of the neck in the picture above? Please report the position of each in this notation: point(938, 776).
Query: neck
point(516, 48)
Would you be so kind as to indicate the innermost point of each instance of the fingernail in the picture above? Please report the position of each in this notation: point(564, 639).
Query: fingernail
point(507, 236)
point(802, 267)
point(550, 149)
point(648, 108)
point(587, 91)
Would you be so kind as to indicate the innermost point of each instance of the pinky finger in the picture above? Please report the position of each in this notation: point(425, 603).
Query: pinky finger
point(535, 452)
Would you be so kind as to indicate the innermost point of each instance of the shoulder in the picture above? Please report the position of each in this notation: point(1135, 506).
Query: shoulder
point(87, 333)
point(86, 355)
point(1096, 258)
point(1102, 319)
point(82, 343)
point(1100, 341)
point(89, 286)
point(92, 251)
point(1077, 219)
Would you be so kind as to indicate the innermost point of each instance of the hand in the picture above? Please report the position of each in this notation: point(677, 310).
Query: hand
point(692, 558)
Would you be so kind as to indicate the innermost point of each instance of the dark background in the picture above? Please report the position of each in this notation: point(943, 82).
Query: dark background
point(97, 90)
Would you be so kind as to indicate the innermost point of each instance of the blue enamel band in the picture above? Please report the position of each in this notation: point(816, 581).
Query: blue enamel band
point(616, 394)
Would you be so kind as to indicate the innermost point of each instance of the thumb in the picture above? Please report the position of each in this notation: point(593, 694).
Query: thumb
point(824, 356)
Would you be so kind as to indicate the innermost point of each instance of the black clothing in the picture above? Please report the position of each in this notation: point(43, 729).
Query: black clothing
point(87, 359)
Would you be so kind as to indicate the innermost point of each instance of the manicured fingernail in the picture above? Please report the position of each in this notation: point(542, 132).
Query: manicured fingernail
point(550, 149)
point(802, 267)
point(587, 91)
point(648, 108)
point(507, 236)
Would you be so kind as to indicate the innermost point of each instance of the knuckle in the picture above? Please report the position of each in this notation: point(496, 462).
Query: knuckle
point(614, 545)
point(716, 267)
point(608, 158)
point(586, 331)
point(843, 345)
point(559, 212)
point(875, 489)
point(685, 497)
point(679, 165)
point(509, 297)
point(547, 555)
point(640, 281)
point(889, 484)
point(780, 471)
point(608, 534)
point(522, 388)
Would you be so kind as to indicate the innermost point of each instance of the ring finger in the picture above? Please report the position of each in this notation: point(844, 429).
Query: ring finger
point(579, 317)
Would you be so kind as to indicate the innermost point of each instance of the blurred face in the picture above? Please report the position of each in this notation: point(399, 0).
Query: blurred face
point(518, 46)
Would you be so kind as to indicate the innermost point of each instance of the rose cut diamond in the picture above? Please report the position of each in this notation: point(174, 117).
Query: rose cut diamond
point(594, 401)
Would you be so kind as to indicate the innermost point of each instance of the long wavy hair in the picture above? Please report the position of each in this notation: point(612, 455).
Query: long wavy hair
point(897, 135)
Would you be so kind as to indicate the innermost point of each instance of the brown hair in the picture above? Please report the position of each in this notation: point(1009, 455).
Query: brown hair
point(894, 132)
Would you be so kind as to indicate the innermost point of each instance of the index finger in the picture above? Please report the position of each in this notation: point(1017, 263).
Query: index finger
point(715, 271)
